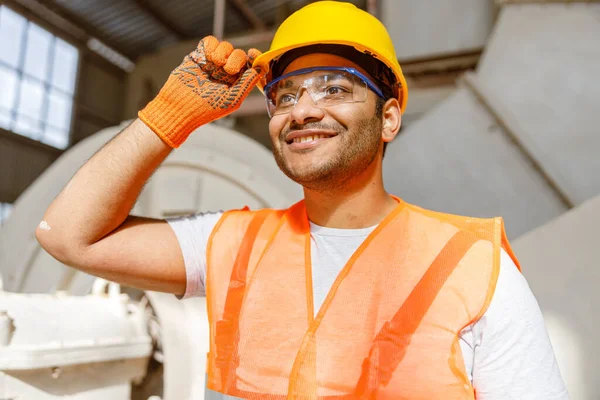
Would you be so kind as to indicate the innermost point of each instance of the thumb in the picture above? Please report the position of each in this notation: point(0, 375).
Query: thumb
point(204, 50)
point(253, 55)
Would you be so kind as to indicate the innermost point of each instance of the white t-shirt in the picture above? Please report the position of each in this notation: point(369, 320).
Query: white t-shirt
point(507, 353)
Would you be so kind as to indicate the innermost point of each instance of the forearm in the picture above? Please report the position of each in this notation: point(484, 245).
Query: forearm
point(101, 194)
point(87, 225)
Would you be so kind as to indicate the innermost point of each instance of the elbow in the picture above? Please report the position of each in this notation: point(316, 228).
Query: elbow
point(42, 234)
point(55, 245)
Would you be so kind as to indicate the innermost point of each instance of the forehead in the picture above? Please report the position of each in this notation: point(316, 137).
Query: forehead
point(322, 60)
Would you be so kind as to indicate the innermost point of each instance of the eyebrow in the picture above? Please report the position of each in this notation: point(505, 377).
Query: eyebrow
point(286, 84)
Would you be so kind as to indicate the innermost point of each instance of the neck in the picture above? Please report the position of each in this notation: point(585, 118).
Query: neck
point(361, 203)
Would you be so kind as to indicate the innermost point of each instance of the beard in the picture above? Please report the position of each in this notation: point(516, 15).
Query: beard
point(357, 149)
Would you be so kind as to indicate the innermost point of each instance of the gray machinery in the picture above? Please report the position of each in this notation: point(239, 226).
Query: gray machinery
point(66, 333)
point(518, 138)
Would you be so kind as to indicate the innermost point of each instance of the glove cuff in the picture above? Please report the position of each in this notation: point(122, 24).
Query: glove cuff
point(174, 114)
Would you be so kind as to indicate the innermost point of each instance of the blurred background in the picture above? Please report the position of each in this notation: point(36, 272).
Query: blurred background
point(503, 120)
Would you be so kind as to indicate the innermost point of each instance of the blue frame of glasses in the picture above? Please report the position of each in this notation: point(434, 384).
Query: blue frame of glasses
point(352, 71)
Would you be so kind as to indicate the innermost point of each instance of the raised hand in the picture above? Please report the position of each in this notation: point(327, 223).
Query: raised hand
point(211, 82)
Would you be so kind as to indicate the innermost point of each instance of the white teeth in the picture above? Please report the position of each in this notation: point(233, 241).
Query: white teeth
point(308, 138)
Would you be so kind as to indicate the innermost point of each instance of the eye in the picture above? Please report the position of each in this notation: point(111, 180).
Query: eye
point(286, 99)
point(333, 90)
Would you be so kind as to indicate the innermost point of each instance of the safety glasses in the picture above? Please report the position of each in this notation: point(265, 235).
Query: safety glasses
point(327, 86)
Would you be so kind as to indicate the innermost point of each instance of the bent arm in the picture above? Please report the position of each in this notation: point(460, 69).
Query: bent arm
point(88, 225)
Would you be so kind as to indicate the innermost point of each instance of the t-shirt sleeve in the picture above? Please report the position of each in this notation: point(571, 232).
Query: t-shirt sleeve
point(193, 233)
point(513, 356)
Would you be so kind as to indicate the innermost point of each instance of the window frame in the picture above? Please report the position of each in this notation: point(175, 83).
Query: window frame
point(46, 83)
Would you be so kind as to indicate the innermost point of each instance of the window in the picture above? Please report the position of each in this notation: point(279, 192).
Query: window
point(37, 80)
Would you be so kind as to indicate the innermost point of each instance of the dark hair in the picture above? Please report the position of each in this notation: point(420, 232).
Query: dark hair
point(381, 73)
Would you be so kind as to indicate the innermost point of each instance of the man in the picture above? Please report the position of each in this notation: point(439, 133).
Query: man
point(351, 293)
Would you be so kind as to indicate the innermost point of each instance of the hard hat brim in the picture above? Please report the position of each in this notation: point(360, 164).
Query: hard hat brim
point(264, 63)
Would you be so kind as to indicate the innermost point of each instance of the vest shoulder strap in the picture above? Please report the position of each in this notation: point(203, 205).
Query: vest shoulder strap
point(386, 351)
point(253, 223)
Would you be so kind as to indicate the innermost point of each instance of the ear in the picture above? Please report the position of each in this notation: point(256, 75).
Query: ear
point(391, 120)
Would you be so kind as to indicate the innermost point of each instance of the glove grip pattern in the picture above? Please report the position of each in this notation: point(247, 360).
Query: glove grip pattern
point(205, 87)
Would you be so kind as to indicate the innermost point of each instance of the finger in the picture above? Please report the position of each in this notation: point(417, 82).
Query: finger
point(221, 53)
point(210, 44)
point(236, 61)
point(206, 46)
point(252, 55)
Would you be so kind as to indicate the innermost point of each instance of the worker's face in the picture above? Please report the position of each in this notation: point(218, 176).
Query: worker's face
point(343, 140)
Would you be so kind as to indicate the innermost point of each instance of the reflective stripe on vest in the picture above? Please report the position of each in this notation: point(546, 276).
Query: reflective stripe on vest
point(389, 327)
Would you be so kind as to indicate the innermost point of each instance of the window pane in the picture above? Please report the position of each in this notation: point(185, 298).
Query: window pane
point(31, 98)
point(59, 110)
point(37, 80)
point(36, 54)
point(8, 82)
point(11, 34)
point(65, 66)
point(27, 126)
point(56, 137)
point(5, 118)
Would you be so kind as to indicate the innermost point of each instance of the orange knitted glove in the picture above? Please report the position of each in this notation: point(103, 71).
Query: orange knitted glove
point(211, 82)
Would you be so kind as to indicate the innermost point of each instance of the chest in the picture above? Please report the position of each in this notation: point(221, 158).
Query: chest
point(329, 254)
point(320, 314)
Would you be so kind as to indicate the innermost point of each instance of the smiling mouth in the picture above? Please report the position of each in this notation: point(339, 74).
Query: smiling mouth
point(307, 139)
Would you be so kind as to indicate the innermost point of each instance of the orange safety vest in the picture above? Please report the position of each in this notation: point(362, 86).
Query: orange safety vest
point(388, 328)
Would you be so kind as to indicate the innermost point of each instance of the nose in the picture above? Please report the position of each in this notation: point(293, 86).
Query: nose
point(305, 110)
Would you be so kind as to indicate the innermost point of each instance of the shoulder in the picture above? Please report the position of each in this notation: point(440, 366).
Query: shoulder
point(514, 357)
point(208, 220)
point(201, 223)
point(514, 315)
point(463, 222)
point(239, 220)
point(511, 288)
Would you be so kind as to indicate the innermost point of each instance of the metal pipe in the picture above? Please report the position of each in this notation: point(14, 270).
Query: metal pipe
point(372, 7)
point(219, 19)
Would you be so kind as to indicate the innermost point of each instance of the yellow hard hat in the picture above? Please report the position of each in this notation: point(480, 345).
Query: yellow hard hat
point(332, 22)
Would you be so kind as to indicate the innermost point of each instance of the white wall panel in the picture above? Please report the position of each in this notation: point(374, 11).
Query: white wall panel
point(560, 262)
point(432, 27)
point(541, 70)
point(456, 159)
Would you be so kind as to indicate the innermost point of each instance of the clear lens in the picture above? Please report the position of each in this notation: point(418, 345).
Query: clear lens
point(325, 87)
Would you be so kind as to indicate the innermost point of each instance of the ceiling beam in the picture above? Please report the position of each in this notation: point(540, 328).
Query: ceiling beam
point(52, 22)
point(162, 20)
point(81, 23)
point(254, 39)
point(441, 64)
point(248, 13)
